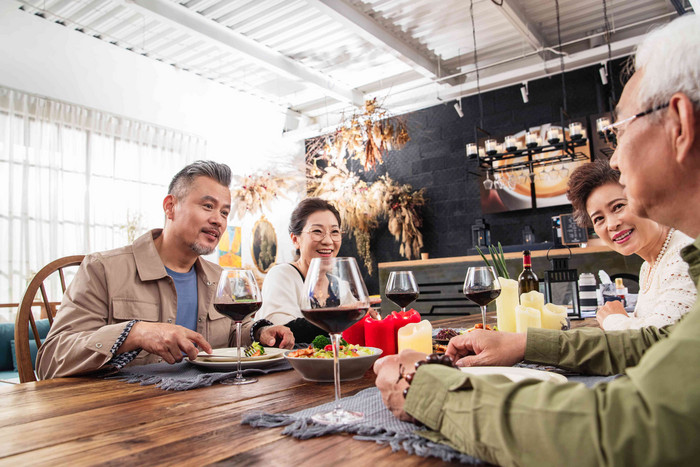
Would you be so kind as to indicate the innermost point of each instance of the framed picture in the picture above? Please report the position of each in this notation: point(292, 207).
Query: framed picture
point(264, 245)
point(230, 248)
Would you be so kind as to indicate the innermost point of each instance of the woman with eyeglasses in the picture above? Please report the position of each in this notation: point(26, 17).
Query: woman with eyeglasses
point(315, 231)
point(666, 291)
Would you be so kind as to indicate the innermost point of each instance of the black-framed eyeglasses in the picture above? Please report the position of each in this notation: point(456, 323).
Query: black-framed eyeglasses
point(318, 234)
point(612, 132)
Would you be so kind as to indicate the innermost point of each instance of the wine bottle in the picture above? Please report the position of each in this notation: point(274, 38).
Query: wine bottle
point(527, 280)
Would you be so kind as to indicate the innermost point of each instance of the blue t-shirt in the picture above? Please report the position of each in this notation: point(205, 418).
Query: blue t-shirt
point(186, 288)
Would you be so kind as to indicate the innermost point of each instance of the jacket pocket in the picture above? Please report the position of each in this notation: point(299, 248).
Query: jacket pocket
point(128, 309)
point(213, 314)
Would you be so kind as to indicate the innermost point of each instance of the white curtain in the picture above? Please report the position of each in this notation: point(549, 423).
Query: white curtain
point(73, 179)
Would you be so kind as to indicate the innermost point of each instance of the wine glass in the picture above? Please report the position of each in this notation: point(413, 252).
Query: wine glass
point(334, 298)
point(237, 296)
point(481, 286)
point(401, 288)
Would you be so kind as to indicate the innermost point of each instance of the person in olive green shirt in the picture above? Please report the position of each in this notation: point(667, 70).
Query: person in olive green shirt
point(651, 414)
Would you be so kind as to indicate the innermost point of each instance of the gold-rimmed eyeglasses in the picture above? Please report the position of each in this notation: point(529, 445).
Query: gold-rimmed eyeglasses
point(318, 235)
point(612, 132)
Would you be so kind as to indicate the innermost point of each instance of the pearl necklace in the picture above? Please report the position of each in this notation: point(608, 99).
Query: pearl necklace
point(647, 282)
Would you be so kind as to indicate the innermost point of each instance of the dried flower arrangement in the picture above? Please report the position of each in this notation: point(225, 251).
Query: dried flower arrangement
point(369, 135)
point(361, 212)
point(258, 191)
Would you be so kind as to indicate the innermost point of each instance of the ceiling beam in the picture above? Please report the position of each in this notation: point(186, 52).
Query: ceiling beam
point(513, 75)
point(268, 58)
point(513, 13)
point(380, 34)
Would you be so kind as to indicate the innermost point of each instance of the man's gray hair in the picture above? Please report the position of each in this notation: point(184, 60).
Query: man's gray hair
point(670, 60)
point(182, 181)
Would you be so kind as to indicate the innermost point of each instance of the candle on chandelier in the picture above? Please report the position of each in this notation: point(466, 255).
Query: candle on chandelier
point(531, 140)
point(553, 135)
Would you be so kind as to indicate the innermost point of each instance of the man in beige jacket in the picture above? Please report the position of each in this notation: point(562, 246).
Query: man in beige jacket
point(152, 301)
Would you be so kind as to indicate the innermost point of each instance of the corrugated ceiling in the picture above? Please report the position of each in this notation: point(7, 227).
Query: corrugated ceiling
point(320, 58)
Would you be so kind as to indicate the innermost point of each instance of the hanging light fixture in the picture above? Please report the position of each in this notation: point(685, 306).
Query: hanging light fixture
point(513, 156)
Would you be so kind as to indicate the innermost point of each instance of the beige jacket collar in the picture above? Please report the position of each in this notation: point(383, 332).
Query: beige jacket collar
point(150, 266)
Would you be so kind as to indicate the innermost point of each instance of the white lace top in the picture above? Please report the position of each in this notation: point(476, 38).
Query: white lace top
point(667, 296)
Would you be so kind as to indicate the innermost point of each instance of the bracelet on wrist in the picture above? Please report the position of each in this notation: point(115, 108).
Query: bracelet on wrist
point(433, 358)
point(258, 325)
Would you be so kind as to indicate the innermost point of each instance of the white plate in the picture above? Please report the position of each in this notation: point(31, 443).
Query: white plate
point(515, 374)
point(232, 366)
point(230, 354)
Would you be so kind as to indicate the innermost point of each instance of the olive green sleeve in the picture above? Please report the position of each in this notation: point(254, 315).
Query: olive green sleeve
point(591, 350)
point(649, 416)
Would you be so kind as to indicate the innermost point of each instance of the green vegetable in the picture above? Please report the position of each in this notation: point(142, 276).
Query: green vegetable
point(320, 342)
point(499, 260)
point(254, 347)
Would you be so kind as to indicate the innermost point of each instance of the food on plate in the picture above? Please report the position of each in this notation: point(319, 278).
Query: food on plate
point(439, 348)
point(446, 334)
point(255, 350)
point(479, 326)
point(316, 351)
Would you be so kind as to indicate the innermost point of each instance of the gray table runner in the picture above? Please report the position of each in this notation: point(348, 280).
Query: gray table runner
point(379, 425)
point(185, 375)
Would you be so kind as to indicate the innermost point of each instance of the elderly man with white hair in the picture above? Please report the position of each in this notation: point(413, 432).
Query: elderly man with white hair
point(651, 414)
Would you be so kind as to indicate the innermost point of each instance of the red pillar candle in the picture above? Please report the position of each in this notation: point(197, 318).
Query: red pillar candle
point(355, 334)
point(401, 319)
point(380, 333)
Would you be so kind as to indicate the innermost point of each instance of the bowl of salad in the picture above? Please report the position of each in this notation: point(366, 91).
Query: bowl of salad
point(315, 363)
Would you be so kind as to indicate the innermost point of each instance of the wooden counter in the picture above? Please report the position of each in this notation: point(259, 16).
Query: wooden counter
point(440, 280)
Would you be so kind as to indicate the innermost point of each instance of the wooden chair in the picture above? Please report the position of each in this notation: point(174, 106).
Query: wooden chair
point(25, 317)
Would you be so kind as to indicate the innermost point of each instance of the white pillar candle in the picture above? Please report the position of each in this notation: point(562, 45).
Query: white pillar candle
point(526, 317)
point(553, 316)
point(506, 303)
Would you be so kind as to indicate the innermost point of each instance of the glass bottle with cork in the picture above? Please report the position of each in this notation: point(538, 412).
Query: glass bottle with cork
point(527, 280)
point(621, 291)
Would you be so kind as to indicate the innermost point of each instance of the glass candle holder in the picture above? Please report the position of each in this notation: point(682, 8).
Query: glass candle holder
point(601, 123)
point(482, 153)
point(472, 151)
point(553, 136)
point(531, 140)
point(575, 129)
point(491, 147)
point(510, 143)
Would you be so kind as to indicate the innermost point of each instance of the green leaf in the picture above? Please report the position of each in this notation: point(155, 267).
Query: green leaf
point(482, 255)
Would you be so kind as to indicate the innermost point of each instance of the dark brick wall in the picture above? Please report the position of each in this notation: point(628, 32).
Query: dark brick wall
point(435, 159)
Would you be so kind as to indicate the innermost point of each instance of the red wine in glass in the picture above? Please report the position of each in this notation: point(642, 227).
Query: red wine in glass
point(482, 287)
point(402, 299)
point(334, 320)
point(237, 311)
point(335, 297)
point(237, 296)
point(483, 298)
point(401, 288)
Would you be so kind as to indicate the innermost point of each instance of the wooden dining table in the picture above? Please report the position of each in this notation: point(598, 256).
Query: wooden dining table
point(92, 420)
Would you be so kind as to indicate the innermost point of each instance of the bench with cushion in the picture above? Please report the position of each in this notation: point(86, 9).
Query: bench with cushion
point(8, 360)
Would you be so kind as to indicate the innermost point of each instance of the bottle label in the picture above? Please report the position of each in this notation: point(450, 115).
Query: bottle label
point(527, 261)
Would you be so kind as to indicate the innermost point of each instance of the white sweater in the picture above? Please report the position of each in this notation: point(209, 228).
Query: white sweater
point(281, 294)
point(669, 294)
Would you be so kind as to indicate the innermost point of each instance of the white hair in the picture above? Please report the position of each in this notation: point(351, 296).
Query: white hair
point(669, 58)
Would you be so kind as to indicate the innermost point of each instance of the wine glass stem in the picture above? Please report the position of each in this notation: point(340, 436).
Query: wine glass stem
point(483, 315)
point(403, 309)
point(335, 340)
point(239, 374)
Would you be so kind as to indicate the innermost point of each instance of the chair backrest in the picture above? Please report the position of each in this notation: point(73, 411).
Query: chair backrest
point(25, 318)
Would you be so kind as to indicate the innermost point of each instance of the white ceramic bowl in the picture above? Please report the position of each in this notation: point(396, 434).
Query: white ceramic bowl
point(321, 369)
